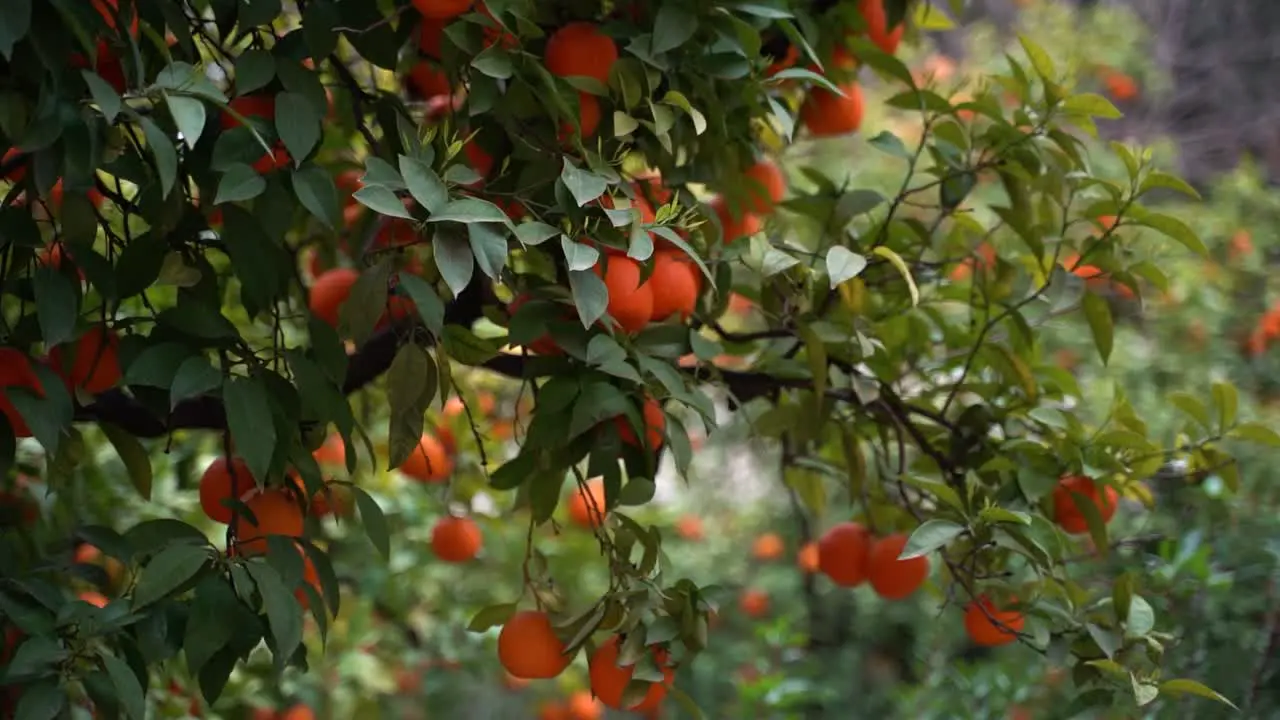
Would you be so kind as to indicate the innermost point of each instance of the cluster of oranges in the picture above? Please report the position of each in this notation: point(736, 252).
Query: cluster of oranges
point(90, 364)
point(529, 648)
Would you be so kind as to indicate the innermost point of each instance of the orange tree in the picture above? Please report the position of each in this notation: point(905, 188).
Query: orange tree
point(237, 221)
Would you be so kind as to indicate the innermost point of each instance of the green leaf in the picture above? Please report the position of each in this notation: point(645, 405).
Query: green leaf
point(189, 114)
point(163, 151)
point(471, 210)
point(367, 304)
point(1185, 686)
point(320, 24)
point(255, 69)
point(284, 614)
point(1141, 618)
point(238, 183)
point(675, 25)
point(1040, 59)
point(375, 524)
point(128, 689)
point(43, 700)
point(492, 616)
point(207, 627)
point(489, 245)
point(1160, 179)
point(578, 256)
point(318, 194)
point(931, 535)
point(1176, 229)
point(901, 266)
point(195, 376)
point(891, 144)
point(104, 95)
point(495, 62)
point(1227, 400)
point(297, 124)
point(248, 419)
point(535, 233)
point(424, 185)
point(1192, 407)
point(1092, 105)
point(411, 385)
point(424, 297)
point(381, 200)
point(35, 656)
point(590, 296)
point(1256, 432)
point(167, 571)
point(57, 305)
point(135, 458)
point(15, 22)
point(453, 258)
point(1098, 313)
point(843, 264)
point(583, 185)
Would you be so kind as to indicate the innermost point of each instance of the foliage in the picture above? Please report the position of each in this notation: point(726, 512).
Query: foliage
point(191, 273)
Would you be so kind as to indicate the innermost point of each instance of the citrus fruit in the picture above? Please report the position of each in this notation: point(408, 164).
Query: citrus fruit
point(676, 284)
point(655, 425)
point(330, 291)
point(93, 362)
point(441, 9)
point(587, 509)
point(16, 372)
point(276, 512)
point(842, 554)
point(221, 481)
point(978, 623)
point(891, 578)
point(579, 49)
point(766, 186)
point(528, 647)
point(429, 462)
point(827, 114)
point(630, 302)
point(1067, 514)
point(456, 539)
point(609, 682)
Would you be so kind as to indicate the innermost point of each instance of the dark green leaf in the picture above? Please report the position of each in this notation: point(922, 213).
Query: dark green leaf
point(284, 614)
point(583, 185)
point(424, 185)
point(207, 627)
point(104, 95)
point(135, 458)
point(931, 535)
point(128, 689)
point(247, 408)
point(471, 210)
point(590, 296)
point(240, 182)
point(411, 385)
point(195, 377)
point(255, 69)
point(15, 22)
point(425, 298)
point(675, 25)
point(189, 114)
point(490, 617)
point(535, 233)
point(375, 524)
point(318, 194)
point(578, 256)
point(167, 571)
point(297, 124)
point(56, 305)
point(453, 258)
point(163, 151)
point(489, 245)
point(367, 303)
point(42, 700)
point(382, 200)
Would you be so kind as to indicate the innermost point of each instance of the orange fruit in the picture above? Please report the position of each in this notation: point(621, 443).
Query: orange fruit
point(276, 512)
point(766, 186)
point(754, 603)
point(428, 81)
point(456, 539)
point(768, 546)
point(297, 712)
point(430, 37)
point(494, 33)
point(86, 554)
point(258, 105)
point(94, 360)
point(609, 682)
point(430, 462)
point(274, 160)
point(96, 599)
point(19, 162)
point(735, 225)
point(587, 508)
point(332, 499)
point(332, 452)
point(630, 303)
point(583, 706)
point(1120, 86)
point(53, 255)
point(1065, 512)
point(655, 425)
point(330, 291)
point(529, 648)
point(309, 577)
point(109, 9)
point(891, 578)
point(589, 116)
point(224, 481)
point(676, 285)
point(788, 59)
point(842, 554)
point(807, 558)
point(579, 49)
point(16, 371)
point(827, 114)
point(441, 9)
point(878, 25)
point(689, 527)
point(978, 616)
point(553, 711)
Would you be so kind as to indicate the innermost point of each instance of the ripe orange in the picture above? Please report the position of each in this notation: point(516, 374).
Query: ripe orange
point(277, 513)
point(878, 25)
point(258, 105)
point(891, 578)
point(332, 499)
point(735, 225)
point(982, 631)
point(655, 425)
point(689, 527)
point(309, 577)
point(1120, 86)
point(551, 710)
point(297, 712)
point(332, 452)
point(766, 186)
point(827, 114)
point(16, 371)
point(754, 603)
point(589, 115)
point(108, 9)
point(768, 546)
point(630, 303)
point(429, 81)
point(330, 291)
point(609, 682)
point(1065, 512)
point(529, 648)
point(788, 59)
point(441, 9)
point(430, 36)
point(456, 539)
point(676, 285)
point(807, 558)
point(494, 33)
point(96, 599)
point(19, 160)
point(224, 481)
point(94, 362)
point(583, 706)
point(842, 554)
point(86, 554)
point(587, 508)
point(274, 160)
point(580, 49)
point(56, 194)
point(430, 462)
